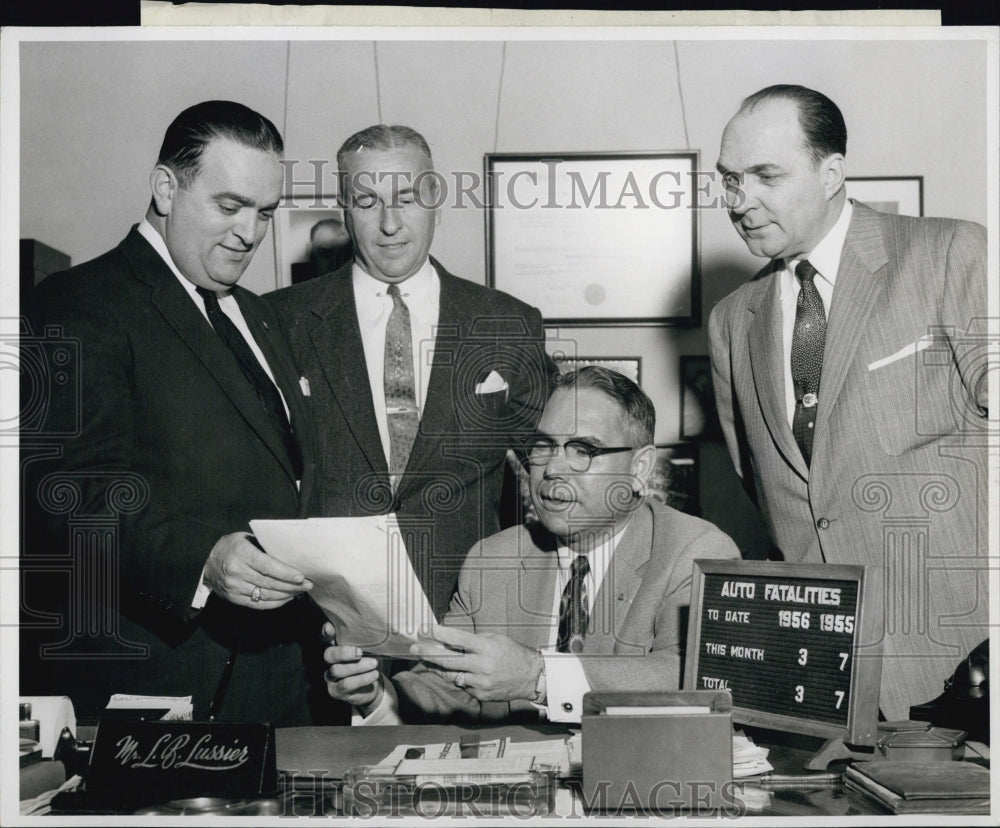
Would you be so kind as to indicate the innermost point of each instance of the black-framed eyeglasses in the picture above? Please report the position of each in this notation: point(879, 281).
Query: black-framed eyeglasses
point(579, 454)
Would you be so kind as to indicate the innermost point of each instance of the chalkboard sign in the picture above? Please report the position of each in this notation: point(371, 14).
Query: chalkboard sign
point(785, 640)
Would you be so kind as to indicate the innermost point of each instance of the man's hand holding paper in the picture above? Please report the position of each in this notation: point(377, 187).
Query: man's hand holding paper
point(352, 677)
point(490, 666)
point(362, 578)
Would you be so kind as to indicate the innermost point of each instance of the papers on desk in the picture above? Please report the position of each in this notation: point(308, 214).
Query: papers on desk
point(175, 708)
point(362, 578)
point(490, 756)
point(748, 759)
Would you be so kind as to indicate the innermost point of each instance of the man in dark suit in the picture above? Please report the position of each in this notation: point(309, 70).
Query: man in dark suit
point(593, 597)
point(420, 381)
point(851, 384)
point(191, 421)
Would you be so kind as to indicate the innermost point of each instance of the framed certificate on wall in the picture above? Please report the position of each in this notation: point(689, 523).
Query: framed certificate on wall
point(597, 238)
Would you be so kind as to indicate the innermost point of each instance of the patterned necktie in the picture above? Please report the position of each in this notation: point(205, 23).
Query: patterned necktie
point(573, 614)
point(808, 340)
point(266, 390)
point(400, 394)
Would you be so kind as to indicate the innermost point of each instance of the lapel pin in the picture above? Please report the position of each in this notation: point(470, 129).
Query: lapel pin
point(304, 384)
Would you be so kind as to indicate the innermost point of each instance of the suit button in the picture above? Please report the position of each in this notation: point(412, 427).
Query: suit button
point(567, 706)
point(823, 523)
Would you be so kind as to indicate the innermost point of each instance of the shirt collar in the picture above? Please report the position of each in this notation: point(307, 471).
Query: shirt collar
point(565, 555)
point(156, 241)
point(370, 292)
point(825, 257)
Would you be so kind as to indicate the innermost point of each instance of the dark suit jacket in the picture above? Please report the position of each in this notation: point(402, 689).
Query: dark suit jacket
point(898, 472)
point(447, 498)
point(166, 450)
point(639, 620)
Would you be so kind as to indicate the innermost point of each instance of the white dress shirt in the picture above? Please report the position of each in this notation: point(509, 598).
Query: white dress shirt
point(230, 307)
point(825, 257)
point(422, 294)
point(565, 679)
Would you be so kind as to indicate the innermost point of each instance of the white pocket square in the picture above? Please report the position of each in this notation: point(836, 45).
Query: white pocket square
point(304, 385)
point(907, 351)
point(493, 384)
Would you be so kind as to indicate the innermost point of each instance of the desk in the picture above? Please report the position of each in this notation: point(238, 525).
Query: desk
point(315, 759)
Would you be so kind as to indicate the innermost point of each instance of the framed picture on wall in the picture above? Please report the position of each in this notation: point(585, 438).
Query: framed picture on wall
point(596, 238)
point(902, 195)
point(302, 252)
point(675, 479)
point(631, 367)
point(699, 415)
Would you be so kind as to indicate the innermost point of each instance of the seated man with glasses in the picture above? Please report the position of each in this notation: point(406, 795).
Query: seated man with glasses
point(594, 597)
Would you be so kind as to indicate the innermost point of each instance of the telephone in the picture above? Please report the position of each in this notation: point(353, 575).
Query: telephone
point(965, 702)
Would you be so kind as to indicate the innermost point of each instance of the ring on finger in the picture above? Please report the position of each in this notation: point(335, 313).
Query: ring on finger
point(460, 679)
point(255, 594)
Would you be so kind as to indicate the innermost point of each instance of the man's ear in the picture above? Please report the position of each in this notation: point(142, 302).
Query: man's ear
point(642, 468)
point(164, 184)
point(834, 172)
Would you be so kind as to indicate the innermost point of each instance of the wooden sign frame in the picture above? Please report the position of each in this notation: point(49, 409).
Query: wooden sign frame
point(865, 667)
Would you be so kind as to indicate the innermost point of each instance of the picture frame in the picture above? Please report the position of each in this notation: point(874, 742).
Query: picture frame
point(675, 479)
point(699, 414)
point(630, 366)
point(293, 222)
point(900, 194)
point(597, 239)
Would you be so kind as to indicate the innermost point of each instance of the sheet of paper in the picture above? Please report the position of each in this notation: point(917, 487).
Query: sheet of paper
point(548, 754)
point(179, 708)
point(362, 578)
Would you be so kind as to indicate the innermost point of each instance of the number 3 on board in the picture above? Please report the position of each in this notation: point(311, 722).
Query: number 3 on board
point(800, 693)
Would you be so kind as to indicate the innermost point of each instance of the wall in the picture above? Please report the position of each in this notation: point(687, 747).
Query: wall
point(92, 116)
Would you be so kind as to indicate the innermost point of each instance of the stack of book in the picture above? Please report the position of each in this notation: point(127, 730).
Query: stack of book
point(923, 787)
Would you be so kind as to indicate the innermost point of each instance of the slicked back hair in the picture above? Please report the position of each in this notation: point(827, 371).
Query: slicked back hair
point(382, 137)
point(197, 126)
point(638, 416)
point(820, 118)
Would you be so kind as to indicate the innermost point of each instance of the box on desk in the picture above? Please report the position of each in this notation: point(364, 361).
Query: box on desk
point(666, 753)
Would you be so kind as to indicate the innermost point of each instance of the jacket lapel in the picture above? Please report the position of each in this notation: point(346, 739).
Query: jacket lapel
point(766, 360)
point(194, 330)
point(621, 583)
point(854, 297)
point(285, 376)
point(336, 337)
point(530, 596)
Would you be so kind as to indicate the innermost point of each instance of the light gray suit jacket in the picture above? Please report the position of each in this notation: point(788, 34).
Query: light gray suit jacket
point(898, 472)
point(638, 624)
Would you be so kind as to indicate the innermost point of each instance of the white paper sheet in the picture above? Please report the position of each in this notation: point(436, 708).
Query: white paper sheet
point(362, 578)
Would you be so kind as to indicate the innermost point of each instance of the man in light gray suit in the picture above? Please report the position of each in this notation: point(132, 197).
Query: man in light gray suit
point(851, 384)
point(592, 597)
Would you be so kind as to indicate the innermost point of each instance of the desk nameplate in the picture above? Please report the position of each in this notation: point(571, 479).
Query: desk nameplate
point(156, 761)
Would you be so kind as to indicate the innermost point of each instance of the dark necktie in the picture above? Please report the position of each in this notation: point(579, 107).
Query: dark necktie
point(400, 395)
point(808, 340)
point(267, 392)
point(573, 613)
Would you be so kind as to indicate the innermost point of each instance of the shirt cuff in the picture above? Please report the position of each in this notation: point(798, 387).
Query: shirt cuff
point(201, 594)
point(386, 712)
point(565, 684)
